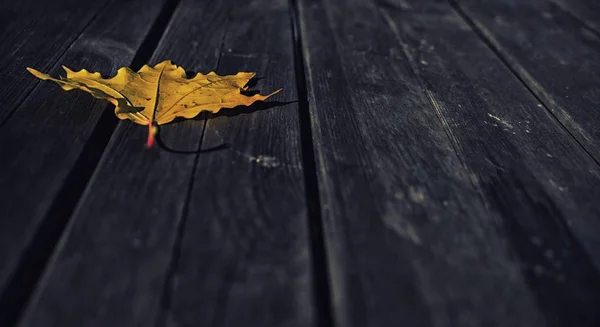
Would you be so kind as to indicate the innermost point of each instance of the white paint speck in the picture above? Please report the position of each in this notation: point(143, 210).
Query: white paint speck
point(416, 195)
point(495, 117)
point(503, 122)
point(266, 161)
point(560, 188)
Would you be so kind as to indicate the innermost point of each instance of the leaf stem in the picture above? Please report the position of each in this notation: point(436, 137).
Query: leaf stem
point(151, 133)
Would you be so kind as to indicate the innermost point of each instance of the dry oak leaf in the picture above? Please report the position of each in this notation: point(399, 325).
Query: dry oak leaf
point(157, 95)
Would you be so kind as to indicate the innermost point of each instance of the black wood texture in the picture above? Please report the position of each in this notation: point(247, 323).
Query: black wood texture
point(526, 166)
point(179, 235)
point(588, 11)
point(557, 61)
point(45, 158)
point(116, 250)
point(36, 35)
point(245, 258)
point(409, 239)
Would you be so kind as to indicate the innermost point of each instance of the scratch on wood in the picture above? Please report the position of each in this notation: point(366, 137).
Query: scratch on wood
point(558, 112)
point(265, 161)
point(503, 122)
point(553, 183)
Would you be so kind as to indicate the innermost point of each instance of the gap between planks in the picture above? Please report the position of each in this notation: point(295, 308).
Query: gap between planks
point(166, 293)
point(37, 82)
point(517, 70)
point(319, 255)
point(33, 262)
point(593, 28)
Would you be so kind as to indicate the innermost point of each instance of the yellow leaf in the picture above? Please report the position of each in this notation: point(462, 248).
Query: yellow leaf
point(159, 94)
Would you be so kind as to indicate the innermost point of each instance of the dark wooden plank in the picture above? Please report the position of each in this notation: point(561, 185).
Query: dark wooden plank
point(45, 137)
point(588, 11)
point(556, 63)
point(117, 248)
point(528, 168)
point(36, 35)
point(118, 251)
point(409, 240)
point(245, 258)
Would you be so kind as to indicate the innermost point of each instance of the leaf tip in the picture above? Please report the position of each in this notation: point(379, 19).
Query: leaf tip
point(66, 69)
point(273, 93)
point(37, 73)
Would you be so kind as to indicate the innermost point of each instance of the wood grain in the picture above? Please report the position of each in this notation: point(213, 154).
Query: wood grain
point(45, 137)
point(117, 246)
point(243, 214)
point(526, 35)
point(587, 11)
point(245, 258)
point(526, 165)
point(37, 36)
point(409, 239)
point(452, 183)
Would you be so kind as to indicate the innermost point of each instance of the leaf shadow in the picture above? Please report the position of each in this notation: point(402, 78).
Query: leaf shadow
point(231, 112)
point(252, 83)
point(166, 148)
point(206, 116)
point(244, 110)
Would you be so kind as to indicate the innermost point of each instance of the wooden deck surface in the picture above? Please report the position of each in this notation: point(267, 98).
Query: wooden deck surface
point(429, 163)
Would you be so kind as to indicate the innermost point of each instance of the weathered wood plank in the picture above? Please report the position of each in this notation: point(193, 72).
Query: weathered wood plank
point(45, 137)
point(121, 252)
point(588, 11)
point(36, 35)
point(245, 257)
point(552, 59)
point(528, 168)
point(117, 247)
point(409, 240)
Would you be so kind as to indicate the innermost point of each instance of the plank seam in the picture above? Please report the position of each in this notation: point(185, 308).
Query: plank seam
point(167, 294)
point(473, 179)
point(58, 59)
point(590, 27)
point(432, 101)
point(33, 263)
point(436, 107)
point(518, 71)
point(320, 271)
point(500, 212)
